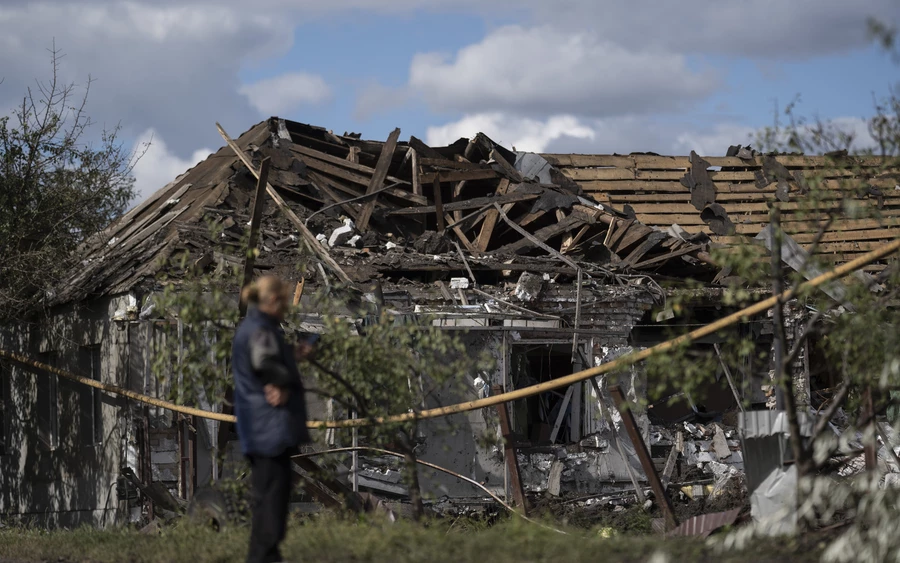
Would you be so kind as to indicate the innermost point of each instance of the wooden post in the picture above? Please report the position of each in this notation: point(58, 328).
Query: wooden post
point(249, 260)
point(641, 448)
point(255, 217)
point(378, 178)
point(512, 462)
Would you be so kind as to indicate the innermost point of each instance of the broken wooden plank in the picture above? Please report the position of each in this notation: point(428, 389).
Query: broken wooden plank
point(662, 499)
point(634, 233)
point(562, 413)
point(460, 234)
point(512, 461)
point(652, 240)
point(417, 186)
point(292, 217)
point(508, 168)
point(378, 177)
point(490, 219)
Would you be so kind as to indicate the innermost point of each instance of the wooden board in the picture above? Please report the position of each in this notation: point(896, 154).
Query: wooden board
point(672, 162)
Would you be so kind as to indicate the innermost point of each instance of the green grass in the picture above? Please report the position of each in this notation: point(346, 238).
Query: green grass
point(327, 539)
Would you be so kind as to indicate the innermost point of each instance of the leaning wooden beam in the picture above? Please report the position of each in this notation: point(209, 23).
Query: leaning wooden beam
point(490, 220)
point(255, 217)
point(662, 499)
point(292, 217)
point(378, 178)
point(512, 461)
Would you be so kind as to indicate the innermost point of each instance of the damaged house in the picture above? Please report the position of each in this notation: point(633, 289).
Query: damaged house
point(553, 262)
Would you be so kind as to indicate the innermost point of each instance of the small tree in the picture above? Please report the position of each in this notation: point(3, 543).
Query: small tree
point(389, 364)
point(56, 188)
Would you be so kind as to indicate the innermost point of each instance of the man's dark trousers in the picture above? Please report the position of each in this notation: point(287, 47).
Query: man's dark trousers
point(271, 488)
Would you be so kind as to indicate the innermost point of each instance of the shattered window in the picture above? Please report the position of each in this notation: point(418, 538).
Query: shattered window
point(48, 402)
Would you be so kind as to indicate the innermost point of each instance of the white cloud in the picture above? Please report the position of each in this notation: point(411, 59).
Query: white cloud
point(283, 94)
point(544, 71)
point(158, 166)
point(522, 133)
point(753, 28)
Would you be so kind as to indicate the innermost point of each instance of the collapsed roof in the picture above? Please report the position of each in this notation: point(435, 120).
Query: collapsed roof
point(472, 209)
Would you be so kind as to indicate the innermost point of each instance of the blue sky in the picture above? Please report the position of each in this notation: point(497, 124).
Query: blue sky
point(594, 76)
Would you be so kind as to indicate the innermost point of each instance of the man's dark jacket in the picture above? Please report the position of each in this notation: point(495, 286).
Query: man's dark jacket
point(261, 356)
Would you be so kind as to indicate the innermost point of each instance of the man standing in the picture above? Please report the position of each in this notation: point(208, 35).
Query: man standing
point(270, 409)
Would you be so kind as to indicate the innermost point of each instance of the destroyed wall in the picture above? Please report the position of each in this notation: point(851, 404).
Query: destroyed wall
point(64, 442)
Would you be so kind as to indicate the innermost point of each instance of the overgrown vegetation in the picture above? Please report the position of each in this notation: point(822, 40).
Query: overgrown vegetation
point(325, 540)
point(59, 184)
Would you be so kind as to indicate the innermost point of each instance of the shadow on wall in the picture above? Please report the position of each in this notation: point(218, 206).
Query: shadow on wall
point(59, 462)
